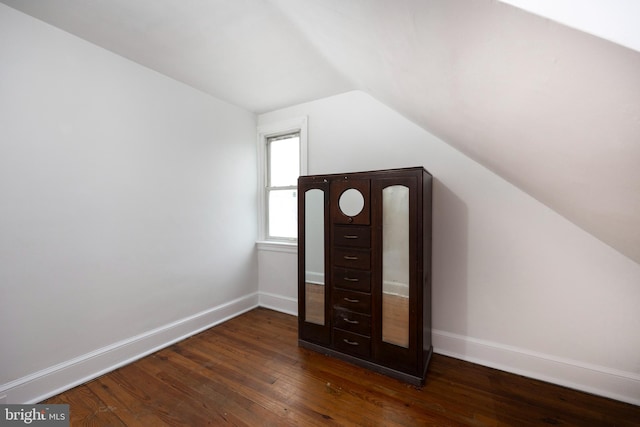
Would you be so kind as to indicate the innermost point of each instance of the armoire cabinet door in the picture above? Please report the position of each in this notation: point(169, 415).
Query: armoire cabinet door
point(314, 293)
point(395, 202)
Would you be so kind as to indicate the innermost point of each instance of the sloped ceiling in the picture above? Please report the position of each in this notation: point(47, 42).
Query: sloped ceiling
point(551, 109)
point(243, 51)
point(614, 20)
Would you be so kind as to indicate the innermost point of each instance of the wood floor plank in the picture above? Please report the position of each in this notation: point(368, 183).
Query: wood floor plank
point(130, 409)
point(249, 371)
point(181, 373)
point(253, 379)
point(86, 409)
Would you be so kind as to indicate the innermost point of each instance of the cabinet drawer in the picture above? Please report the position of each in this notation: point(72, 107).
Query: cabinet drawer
point(352, 236)
point(352, 322)
point(352, 258)
point(351, 343)
point(354, 301)
point(357, 280)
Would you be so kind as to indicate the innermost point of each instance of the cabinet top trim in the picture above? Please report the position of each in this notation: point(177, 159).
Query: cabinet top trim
point(417, 169)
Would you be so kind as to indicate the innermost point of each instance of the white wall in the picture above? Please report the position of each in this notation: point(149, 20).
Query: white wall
point(127, 209)
point(515, 286)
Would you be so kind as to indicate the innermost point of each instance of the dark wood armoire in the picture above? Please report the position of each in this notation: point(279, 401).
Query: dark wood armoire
point(364, 269)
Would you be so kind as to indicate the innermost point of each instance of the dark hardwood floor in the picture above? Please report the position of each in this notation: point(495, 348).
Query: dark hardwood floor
point(250, 371)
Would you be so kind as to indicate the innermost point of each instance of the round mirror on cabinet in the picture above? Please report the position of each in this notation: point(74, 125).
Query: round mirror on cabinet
point(351, 202)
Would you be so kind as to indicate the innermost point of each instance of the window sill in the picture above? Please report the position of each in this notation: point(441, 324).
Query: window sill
point(274, 246)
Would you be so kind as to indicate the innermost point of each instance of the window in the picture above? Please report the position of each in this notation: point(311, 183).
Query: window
point(282, 156)
point(283, 169)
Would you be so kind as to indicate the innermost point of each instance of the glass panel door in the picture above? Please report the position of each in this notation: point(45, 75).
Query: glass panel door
point(395, 265)
point(314, 257)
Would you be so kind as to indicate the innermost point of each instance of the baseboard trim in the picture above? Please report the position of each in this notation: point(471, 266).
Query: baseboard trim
point(599, 380)
point(48, 382)
point(279, 303)
point(619, 385)
point(602, 381)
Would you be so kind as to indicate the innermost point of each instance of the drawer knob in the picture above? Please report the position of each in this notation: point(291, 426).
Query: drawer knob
point(350, 279)
point(350, 342)
point(351, 257)
point(351, 300)
point(353, 322)
point(350, 236)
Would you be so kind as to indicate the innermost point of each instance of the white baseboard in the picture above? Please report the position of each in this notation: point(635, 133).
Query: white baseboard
point(48, 382)
point(395, 288)
point(598, 380)
point(602, 381)
point(280, 303)
point(314, 277)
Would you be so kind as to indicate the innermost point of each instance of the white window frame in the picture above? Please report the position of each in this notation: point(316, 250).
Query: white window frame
point(266, 131)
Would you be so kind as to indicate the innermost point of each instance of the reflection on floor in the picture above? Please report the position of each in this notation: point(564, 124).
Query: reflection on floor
point(315, 303)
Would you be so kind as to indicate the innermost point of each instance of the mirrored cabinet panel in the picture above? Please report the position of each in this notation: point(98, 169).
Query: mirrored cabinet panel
point(395, 265)
point(364, 261)
point(351, 202)
point(314, 256)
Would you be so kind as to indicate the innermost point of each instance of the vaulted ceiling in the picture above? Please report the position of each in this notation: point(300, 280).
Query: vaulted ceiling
point(551, 109)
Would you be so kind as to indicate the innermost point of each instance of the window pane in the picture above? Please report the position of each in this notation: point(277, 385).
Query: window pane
point(283, 213)
point(284, 161)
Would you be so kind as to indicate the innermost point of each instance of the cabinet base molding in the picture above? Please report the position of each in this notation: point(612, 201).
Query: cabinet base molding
point(402, 376)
